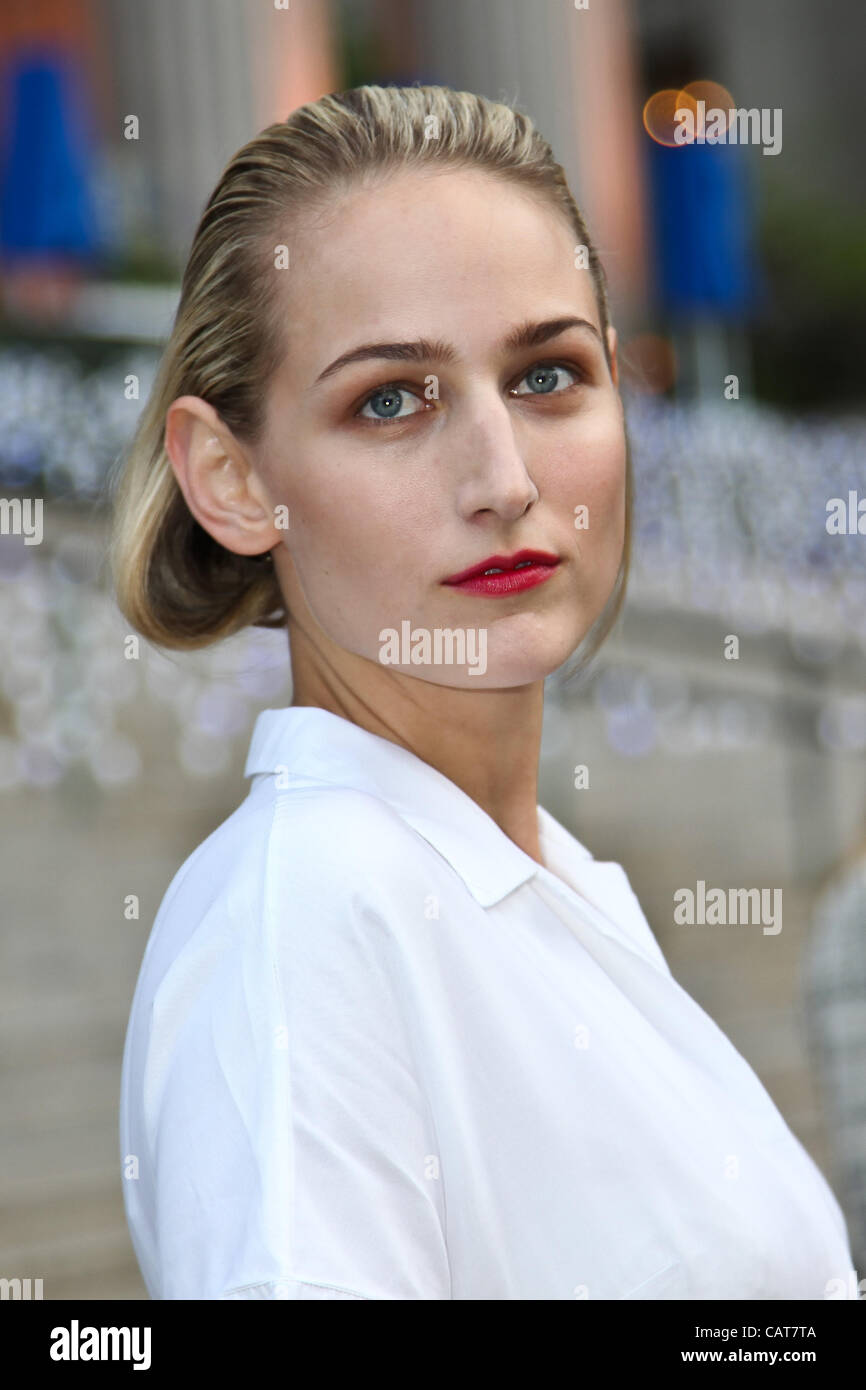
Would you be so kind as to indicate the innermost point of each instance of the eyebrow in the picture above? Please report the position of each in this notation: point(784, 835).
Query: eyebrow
point(525, 335)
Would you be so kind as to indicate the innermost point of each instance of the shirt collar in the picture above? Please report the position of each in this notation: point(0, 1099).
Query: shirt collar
point(313, 743)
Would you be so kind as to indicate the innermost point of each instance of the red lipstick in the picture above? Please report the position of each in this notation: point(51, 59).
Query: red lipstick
point(511, 573)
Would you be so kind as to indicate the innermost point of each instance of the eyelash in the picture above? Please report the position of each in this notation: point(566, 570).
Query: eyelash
point(579, 372)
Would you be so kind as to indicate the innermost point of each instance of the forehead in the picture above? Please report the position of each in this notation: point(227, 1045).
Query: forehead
point(460, 255)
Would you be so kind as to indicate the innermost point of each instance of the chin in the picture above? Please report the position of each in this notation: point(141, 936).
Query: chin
point(510, 669)
point(540, 652)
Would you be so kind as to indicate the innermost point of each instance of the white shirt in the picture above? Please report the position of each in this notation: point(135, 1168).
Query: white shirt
point(376, 1051)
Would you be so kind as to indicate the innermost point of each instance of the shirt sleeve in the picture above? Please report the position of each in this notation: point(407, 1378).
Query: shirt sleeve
point(294, 1152)
point(288, 1289)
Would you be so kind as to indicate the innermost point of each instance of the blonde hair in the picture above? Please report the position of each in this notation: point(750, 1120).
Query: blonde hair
point(174, 583)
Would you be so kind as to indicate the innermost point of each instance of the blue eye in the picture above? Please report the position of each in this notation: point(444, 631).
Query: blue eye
point(543, 379)
point(392, 399)
point(387, 403)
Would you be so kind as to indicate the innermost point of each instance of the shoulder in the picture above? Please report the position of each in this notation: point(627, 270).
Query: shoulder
point(291, 899)
point(318, 850)
point(338, 838)
point(333, 825)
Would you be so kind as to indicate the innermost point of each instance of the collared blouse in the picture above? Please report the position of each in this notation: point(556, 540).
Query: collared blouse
point(377, 1051)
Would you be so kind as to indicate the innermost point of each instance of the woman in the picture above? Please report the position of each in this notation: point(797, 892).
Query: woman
point(397, 1035)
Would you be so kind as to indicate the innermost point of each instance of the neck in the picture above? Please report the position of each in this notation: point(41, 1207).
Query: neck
point(486, 742)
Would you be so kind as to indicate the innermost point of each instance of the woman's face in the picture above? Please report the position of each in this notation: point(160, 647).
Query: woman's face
point(414, 463)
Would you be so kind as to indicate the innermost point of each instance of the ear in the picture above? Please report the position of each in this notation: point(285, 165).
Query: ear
point(614, 365)
point(213, 472)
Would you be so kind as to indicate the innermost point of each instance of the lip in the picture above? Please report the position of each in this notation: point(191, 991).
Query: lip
point(537, 566)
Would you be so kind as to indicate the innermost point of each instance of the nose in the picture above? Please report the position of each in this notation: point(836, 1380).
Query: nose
point(492, 475)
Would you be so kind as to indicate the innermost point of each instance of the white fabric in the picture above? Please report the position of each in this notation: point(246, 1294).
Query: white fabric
point(376, 1051)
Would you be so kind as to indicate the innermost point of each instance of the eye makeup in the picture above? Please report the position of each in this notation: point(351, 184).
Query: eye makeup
point(577, 370)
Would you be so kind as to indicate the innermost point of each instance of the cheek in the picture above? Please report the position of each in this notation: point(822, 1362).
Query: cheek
point(352, 540)
point(591, 475)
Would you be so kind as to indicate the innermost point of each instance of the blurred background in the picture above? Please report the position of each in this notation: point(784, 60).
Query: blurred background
point(738, 284)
